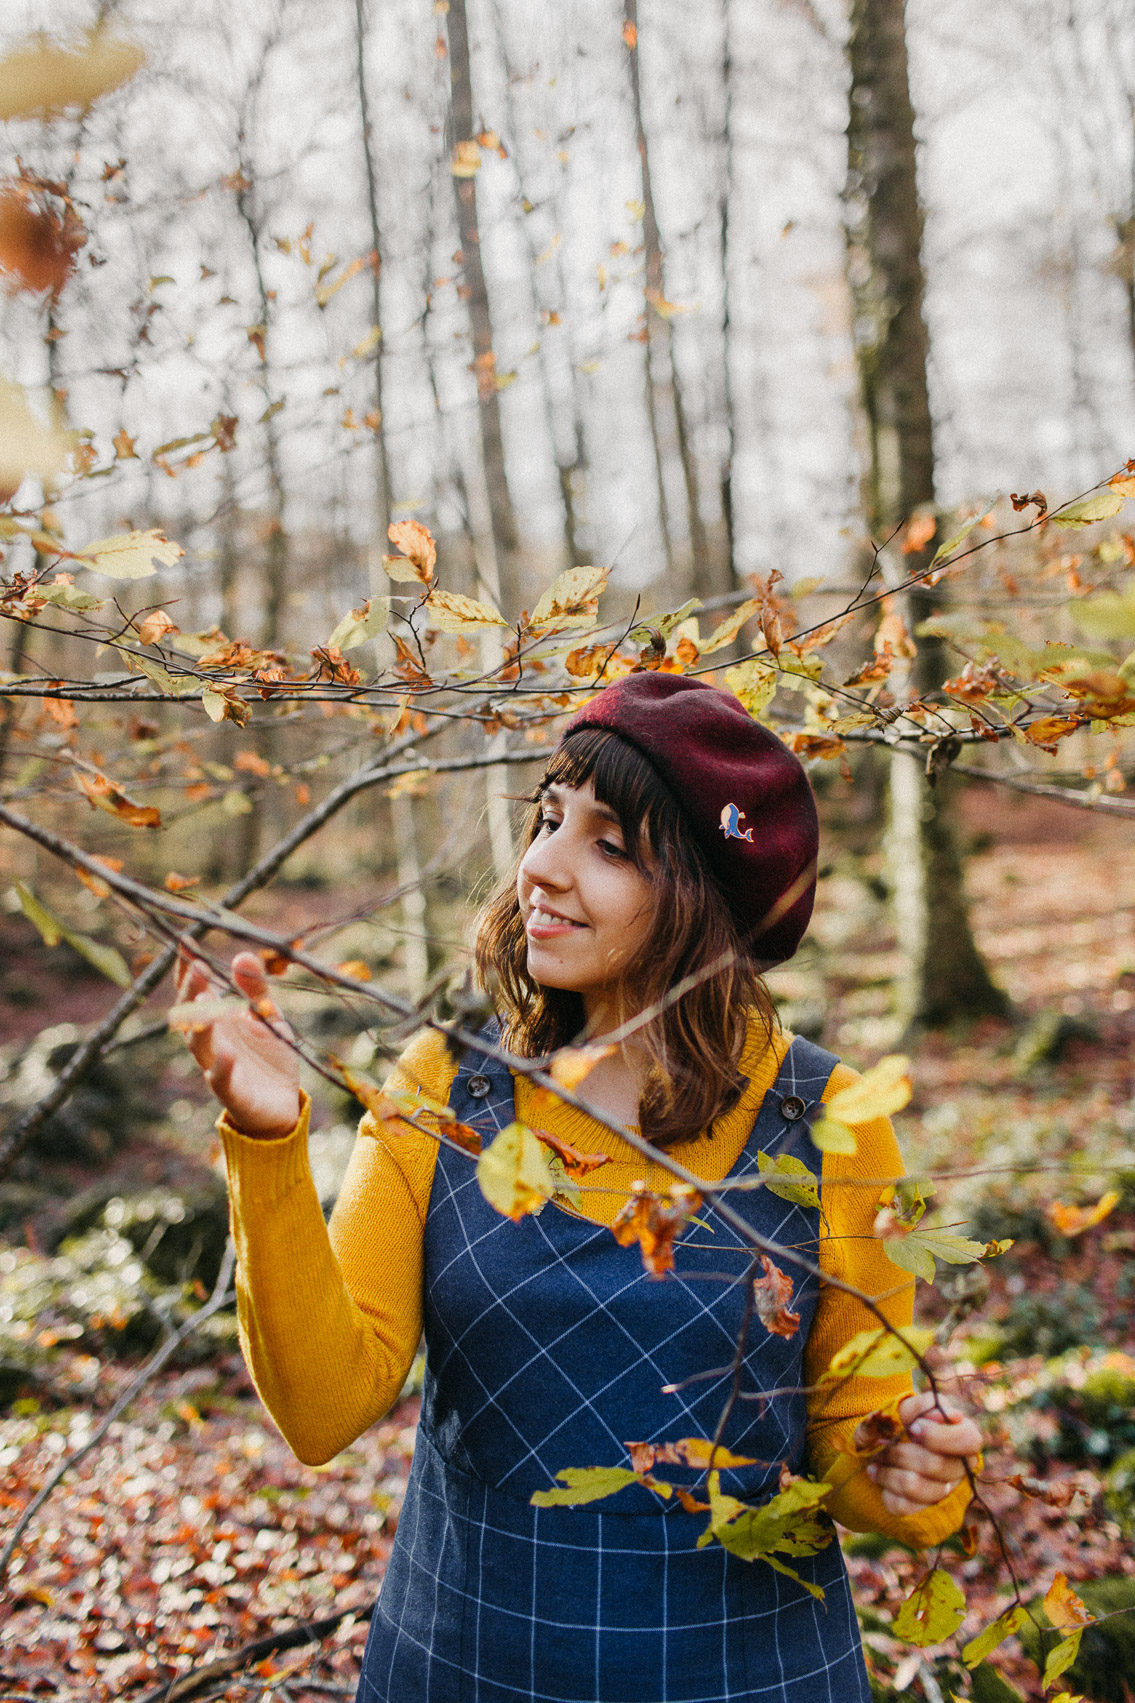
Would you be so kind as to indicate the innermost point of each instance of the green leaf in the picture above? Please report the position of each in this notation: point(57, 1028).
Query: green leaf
point(1101, 505)
point(879, 1353)
point(753, 684)
point(109, 962)
point(1061, 1656)
point(363, 623)
point(68, 597)
point(46, 921)
point(663, 624)
point(584, 1483)
point(173, 685)
point(951, 544)
point(831, 1136)
point(1110, 615)
point(105, 959)
point(786, 1523)
point(788, 1179)
point(1003, 1627)
point(932, 1612)
point(917, 1251)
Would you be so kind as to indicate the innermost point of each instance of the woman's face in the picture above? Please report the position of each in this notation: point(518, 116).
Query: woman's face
point(587, 908)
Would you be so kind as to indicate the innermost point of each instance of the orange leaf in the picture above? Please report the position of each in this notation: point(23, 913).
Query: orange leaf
point(155, 626)
point(416, 545)
point(96, 886)
point(654, 1221)
point(772, 1293)
point(818, 745)
point(578, 1164)
point(101, 793)
point(252, 763)
point(175, 883)
point(920, 529)
point(1064, 1608)
point(630, 34)
point(357, 968)
point(1074, 1220)
point(571, 1065)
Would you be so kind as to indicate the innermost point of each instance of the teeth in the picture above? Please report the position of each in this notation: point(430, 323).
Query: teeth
point(545, 919)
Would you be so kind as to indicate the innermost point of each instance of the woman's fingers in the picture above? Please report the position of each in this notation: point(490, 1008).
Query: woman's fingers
point(249, 976)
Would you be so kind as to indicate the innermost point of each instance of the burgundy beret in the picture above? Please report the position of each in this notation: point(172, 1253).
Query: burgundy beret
point(744, 794)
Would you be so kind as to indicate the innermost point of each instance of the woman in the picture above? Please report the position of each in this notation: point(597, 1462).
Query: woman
point(672, 843)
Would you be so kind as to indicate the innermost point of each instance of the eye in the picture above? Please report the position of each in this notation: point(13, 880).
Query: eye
point(545, 821)
point(612, 849)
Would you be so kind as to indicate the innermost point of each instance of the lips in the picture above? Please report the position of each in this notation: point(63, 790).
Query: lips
point(544, 924)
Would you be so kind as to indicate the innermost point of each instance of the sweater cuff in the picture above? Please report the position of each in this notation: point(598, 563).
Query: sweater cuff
point(857, 1502)
point(262, 1172)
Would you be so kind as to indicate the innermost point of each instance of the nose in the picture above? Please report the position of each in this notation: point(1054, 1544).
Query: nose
point(545, 865)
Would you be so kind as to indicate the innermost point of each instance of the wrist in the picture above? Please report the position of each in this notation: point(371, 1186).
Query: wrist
point(277, 1131)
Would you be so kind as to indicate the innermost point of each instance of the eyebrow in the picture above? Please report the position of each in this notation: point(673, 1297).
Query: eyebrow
point(555, 794)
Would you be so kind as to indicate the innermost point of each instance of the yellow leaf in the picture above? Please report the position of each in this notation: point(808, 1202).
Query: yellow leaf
point(699, 1451)
point(753, 684)
point(584, 1484)
point(1101, 505)
point(363, 623)
point(130, 555)
point(932, 1612)
point(978, 1648)
point(879, 1353)
point(26, 445)
point(369, 342)
point(883, 1089)
point(454, 613)
point(214, 704)
point(357, 968)
point(831, 1136)
point(43, 79)
point(465, 160)
point(1061, 1657)
point(572, 599)
point(726, 631)
point(1124, 483)
point(1064, 1608)
point(513, 1173)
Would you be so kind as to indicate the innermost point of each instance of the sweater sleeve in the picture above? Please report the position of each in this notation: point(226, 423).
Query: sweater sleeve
point(850, 1252)
point(330, 1316)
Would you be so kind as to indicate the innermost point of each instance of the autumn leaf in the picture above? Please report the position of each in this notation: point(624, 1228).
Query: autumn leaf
point(154, 627)
point(826, 745)
point(101, 793)
point(419, 552)
point(831, 1136)
point(655, 1221)
point(224, 706)
point(513, 1173)
point(572, 1065)
point(1074, 1220)
point(101, 957)
point(363, 623)
point(882, 1090)
point(357, 968)
point(175, 883)
point(932, 1613)
point(772, 1293)
point(465, 161)
point(630, 34)
point(918, 532)
point(726, 631)
point(1064, 1608)
point(38, 239)
point(454, 613)
point(124, 446)
point(878, 1431)
point(786, 1524)
point(129, 555)
point(788, 1178)
point(42, 79)
point(1003, 1627)
point(572, 599)
point(576, 1163)
point(916, 1250)
point(753, 684)
point(879, 1353)
point(62, 595)
point(27, 447)
point(1061, 1658)
point(95, 883)
point(584, 1484)
point(697, 1452)
point(963, 532)
point(1101, 505)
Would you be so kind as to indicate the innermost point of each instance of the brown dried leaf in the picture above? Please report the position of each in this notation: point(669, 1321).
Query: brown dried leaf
point(419, 552)
point(655, 1221)
point(102, 794)
point(772, 1293)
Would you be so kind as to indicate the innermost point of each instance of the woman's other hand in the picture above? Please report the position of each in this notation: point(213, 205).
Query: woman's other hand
point(246, 1058)
point(924, 1466)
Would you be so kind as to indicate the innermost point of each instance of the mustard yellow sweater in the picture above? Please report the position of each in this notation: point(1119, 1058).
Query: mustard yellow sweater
point(331, 1317)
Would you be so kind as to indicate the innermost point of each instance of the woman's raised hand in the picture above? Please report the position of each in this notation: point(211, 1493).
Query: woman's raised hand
point(246, 1058)
point(925, 1466)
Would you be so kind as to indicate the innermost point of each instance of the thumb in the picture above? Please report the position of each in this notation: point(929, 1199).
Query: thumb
point(249, 975)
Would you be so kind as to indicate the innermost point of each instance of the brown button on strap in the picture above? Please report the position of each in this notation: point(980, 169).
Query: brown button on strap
point(479, 1086)
point(793, 1108)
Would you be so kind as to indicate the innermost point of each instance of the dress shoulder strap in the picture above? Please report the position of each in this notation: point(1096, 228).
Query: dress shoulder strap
point(483, 1094)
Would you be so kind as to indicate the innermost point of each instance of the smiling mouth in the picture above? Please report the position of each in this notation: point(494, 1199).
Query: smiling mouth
point(544, 924)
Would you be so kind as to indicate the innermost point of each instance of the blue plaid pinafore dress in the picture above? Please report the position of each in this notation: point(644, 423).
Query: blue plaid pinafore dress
point(548, 1346)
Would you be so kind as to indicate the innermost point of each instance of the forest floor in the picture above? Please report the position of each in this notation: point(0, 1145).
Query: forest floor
point(192, 1530)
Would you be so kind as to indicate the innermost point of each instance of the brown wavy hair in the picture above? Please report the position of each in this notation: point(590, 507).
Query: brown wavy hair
point(694, 1043)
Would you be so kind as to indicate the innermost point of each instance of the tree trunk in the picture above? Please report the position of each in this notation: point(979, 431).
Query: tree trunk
point(460, 129)
point(944, 976)
point(669, 422)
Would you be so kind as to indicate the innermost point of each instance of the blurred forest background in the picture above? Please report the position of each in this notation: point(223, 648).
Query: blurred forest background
point(767, 304)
